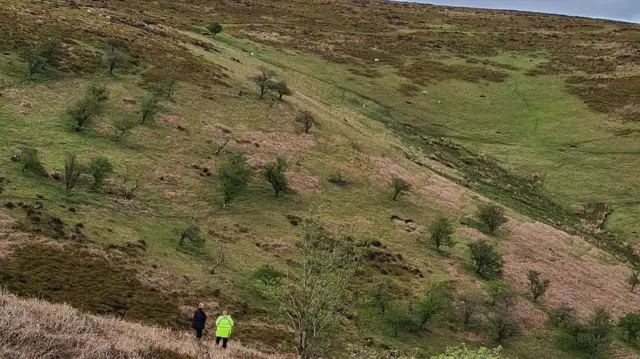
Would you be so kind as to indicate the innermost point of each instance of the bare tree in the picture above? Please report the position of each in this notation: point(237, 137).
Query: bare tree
point(399, 185)
point(121, 126)
point(537, 286)
point(264, 80)
point(281, 88)
point(634, 280)
point(310, 300)
point(219, 258)
point(306, 120)
point(34, 62)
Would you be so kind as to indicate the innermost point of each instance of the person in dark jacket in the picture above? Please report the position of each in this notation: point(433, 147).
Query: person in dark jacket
point(199, 319)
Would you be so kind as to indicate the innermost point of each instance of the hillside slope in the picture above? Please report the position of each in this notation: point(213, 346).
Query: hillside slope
point(468, 106)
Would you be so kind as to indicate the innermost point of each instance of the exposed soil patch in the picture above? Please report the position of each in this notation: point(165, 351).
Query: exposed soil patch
point(581, 276)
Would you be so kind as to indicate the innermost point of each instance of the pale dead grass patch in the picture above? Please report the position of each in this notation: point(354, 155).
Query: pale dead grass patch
point(579, 275)
point(171, 120)
point(442, 191)
point(301, 181)
point(528, 316)
point(32, 328)
point(470, 233)
point(472, 337)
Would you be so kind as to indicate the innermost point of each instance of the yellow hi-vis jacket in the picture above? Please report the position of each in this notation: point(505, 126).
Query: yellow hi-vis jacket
point(224, 326)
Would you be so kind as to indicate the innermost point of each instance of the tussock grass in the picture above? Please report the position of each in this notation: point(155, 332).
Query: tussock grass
point(32, 328)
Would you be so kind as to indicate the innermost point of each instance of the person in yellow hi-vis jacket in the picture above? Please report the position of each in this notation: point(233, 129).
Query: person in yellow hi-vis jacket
point(224, 327)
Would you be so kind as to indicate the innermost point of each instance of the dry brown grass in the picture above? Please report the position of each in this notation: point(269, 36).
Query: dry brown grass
point(32, 328)
point(581, 275)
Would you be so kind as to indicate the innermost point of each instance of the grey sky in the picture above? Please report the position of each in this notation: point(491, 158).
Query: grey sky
point(625, 10)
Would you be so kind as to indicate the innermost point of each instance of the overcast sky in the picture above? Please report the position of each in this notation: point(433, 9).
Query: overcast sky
point(625, 10)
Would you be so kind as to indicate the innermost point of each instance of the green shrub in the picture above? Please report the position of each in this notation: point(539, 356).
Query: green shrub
point(72, 171)
point(562, 317)
point(34, 62)
point(493, 216)
point(89, 107)
point(49, 52)
point(441, 232)
point(233, 177)
point(149, 109)
point(267, 275)
point(121, 126)
point(30, 161)
point(274, 173)
point(487, 260)
point(282, 89)
point(214, 28)
point(399, 186)
point(594, 337)
point(99, 168)
point(462, 352)
point(630, 325)
point(435, 301)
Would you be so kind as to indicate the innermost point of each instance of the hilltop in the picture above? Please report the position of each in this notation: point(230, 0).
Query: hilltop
point(536, 113)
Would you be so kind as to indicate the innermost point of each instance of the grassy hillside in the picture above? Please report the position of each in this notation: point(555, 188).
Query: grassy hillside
point(534, 112)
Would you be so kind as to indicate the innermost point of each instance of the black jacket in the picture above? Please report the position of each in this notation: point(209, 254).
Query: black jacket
point(199, 318)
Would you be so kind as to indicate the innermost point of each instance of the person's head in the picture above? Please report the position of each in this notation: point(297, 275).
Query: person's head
point(201, 305)
point(224, 312)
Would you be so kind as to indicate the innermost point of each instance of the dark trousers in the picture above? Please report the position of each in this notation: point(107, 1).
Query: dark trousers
point(224, 342)
point(199, 333)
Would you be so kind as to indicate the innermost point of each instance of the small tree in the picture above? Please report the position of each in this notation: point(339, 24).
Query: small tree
point(99, 168)
point(114, 43)
point(34, 62)
point(399, 319)
point(380, 296)
point(500, 295)
point(504, 325)
point(462, 352)
point(89, 107)
point(72, 172)
point(219, 258)
point(630, 325)
point(441, 231)
point(121, 126)
point(264, 80)
point(488, 262)
point(468, 305)
point(435, 301)
point(399, 186)
point(49, 52)
point(170, 86)
point(306, 120)
point(537, 286)
point(282, 89)
point(192, 234)
point(274, 173)
point(234, 177)
point(311, 299)
point(30, 161)
point(594, 337)
point(114, 53)
point(634, 280)
point(148, 109)
point(562, 317)
point(214, 28)
point(493, 216)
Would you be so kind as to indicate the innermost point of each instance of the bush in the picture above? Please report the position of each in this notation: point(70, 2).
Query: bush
point(121, 126)
point(192, 234)
point(441, 231)
point(264, 80)
point(30, 161)
point(274, 173)
point(34, 62)
point(89, 107)
point(214, 28)
point(537, 286)
point(468, 305)
point(504, 325)
point(99, 168)
point(488, 262)
point(306, 120)
point(338, 178)
point(114, 56)
point(49, 52)
point(493, 216)
point(72, 171)
point(380, 294)
point(462, 352)
point(399, 186)
point(281, 88)
point(148, 109)
point(594, 337)
point(234, 177)
point(399, 319)
point(630, 325)
point(267, 275)
point(562, 317)
point(435, 301)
